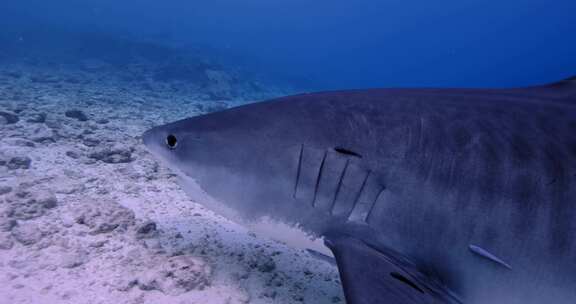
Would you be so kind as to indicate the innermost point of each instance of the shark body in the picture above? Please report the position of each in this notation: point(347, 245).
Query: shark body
point(422, 195)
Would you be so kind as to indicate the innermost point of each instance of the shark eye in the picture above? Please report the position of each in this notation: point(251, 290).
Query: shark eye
point(171, 141)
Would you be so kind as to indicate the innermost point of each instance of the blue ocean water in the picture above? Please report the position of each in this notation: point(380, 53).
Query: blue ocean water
point(327, 44)
point(88, 214)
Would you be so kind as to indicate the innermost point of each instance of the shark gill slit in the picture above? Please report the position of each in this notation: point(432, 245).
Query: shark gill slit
point(338, 187)
point(317, 186)
point(357, 198)
point(367, 218)
point(298, 170)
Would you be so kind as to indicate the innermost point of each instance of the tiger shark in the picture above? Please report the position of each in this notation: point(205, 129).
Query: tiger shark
point(420, 195)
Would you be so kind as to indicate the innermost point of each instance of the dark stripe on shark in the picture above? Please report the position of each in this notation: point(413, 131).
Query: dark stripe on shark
point(406, 281)
point(333, 204)
point(299, 170)
point(317, 186)
point(309, 161)
point(369, 214)
point(366, 197)
point(357, 199)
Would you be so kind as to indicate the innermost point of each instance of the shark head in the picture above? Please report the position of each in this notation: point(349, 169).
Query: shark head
point(241, 162)
point(303, 161)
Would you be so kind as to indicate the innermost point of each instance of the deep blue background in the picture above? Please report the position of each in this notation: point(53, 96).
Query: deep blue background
point(331, 44)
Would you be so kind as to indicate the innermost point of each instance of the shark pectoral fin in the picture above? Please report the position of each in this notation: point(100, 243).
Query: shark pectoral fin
point(371, 276)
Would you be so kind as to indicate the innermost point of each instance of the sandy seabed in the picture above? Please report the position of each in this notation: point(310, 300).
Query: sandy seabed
point(87, 215)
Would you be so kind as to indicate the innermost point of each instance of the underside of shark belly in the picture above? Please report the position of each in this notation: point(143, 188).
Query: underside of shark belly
point(276, 228)
point(293, 235)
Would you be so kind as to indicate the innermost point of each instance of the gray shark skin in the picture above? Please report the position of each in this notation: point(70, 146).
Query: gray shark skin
point(423, 195)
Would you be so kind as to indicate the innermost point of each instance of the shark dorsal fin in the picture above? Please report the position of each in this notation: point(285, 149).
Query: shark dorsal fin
point(489, 256)
point(569, 82)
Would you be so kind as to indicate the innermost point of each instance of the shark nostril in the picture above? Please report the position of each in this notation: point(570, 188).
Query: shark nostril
point(171, 141)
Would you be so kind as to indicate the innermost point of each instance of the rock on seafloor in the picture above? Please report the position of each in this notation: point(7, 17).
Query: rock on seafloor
point(19, 162)
point(8, 118)
point(6, 241)
point(102, 216)
point(146, 230)
point(5, 189)
point(27, 233)
point(73, 259)
point(77, 114)
point(176, 275)
point(27, 204)
point(113, 155)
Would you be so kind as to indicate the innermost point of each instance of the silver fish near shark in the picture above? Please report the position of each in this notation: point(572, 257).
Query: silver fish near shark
point(420, 195)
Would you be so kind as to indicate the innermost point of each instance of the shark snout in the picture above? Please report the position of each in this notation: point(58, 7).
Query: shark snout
point(147, 137)
point(154, 141)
